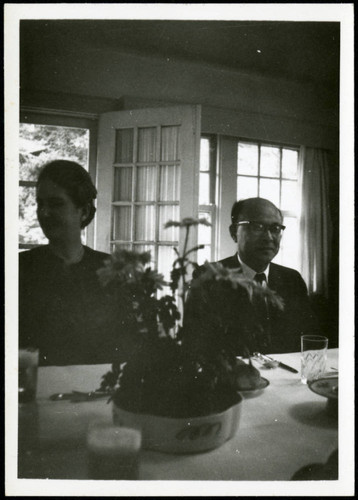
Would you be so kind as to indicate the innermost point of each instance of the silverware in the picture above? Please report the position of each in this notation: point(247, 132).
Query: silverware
point(78, 396)
point(273, 363)
point(59, 396)
point(264, 361)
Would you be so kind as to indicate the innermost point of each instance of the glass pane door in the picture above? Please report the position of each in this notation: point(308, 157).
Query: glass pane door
point(147, 175)
point(146, 180)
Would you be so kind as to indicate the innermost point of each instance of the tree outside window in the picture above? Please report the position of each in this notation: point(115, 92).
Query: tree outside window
point(40, 144)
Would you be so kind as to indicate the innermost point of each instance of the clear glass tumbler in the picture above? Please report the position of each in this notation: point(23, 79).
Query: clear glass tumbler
point(313, 357)
point(28, 364)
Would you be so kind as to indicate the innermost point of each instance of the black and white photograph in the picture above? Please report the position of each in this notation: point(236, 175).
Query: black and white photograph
point(179, 249)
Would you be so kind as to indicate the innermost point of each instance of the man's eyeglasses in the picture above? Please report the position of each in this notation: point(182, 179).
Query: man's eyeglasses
point(259, 228)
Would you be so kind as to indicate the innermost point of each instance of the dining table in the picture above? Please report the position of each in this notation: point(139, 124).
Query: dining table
point(283, 427)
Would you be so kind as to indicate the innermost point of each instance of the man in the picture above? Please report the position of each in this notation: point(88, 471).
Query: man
point(256, 227)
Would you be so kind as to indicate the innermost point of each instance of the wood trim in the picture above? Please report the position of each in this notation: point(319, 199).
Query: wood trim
point(226, 193)
point(58, 112)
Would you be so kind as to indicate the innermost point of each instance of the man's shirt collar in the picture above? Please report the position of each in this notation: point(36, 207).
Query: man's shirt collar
point(250, 273)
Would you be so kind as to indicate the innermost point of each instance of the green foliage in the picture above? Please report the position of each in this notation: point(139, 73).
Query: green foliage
point(40, 144)
point(174, 369)
point(50, 142)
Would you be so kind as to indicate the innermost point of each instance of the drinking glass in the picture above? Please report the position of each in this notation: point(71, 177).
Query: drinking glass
point(313, 357)
point(28, 363)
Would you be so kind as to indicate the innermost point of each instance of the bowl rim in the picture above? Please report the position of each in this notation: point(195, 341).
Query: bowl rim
point(312, 383)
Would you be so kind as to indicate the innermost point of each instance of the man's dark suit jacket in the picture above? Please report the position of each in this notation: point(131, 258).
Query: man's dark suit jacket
point(297, 318)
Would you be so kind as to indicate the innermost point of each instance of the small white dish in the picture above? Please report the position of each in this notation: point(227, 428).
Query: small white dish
point(325, 386)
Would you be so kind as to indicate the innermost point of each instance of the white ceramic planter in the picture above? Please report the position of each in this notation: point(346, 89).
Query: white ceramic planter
point(182, 435)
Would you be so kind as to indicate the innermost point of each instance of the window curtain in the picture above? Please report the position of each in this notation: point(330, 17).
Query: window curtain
point(315, 223)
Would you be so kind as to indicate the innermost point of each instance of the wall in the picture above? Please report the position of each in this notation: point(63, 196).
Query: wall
point(248, 105)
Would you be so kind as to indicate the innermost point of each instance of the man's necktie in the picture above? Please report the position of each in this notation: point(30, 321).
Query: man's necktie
point(260, 278)
point(264, 319)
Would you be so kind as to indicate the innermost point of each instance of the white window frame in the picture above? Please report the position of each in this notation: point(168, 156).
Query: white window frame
point(89, 121)
point(190, 150)
point(210, 209)
point(226, 192)
point(285, 213)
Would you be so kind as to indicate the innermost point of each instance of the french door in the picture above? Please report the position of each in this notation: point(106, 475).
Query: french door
point(147, 174)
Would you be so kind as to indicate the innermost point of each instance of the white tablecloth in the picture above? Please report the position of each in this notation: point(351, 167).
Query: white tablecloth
point(282, 428)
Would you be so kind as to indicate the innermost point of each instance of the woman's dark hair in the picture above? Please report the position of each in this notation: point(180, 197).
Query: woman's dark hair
point(75, 180)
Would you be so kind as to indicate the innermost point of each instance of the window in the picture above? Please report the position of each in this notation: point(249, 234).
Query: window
point(207, 206)
point(271, 172)
point(40, 144)
point(147, 175)
point(232, 169)
point(44, 137)
point(146, 191)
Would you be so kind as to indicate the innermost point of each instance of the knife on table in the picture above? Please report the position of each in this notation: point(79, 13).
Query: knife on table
point(77, 396)
point(266, 358)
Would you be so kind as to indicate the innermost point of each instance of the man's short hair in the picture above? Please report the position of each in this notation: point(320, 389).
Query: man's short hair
point(239, 207)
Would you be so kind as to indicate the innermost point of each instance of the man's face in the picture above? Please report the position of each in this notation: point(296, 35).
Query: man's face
point(257, 249)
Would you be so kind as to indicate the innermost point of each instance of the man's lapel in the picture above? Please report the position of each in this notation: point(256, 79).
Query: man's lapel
point(277, 280)
point(274, 278)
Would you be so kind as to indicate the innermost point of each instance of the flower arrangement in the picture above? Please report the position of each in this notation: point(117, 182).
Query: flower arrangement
point(180, 364)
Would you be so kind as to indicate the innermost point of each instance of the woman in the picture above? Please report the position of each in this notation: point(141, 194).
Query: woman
point(63, 309)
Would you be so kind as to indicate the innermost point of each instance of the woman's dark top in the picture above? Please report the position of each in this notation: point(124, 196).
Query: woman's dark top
point(64, 310)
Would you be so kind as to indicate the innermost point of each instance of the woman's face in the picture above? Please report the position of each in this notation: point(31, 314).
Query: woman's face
point(60, 219)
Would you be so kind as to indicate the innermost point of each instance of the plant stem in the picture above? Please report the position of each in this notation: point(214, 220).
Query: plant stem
point(186, 239)
point(183, 270)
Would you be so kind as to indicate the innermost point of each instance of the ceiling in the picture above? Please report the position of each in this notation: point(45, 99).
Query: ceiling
point(300, 51)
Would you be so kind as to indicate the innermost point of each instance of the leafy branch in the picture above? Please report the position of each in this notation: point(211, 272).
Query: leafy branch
point(182, 263)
